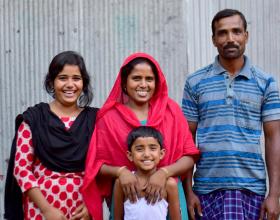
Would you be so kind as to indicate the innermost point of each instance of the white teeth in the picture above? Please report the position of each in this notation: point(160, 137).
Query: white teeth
point(69, 93)
point(142, 93)
point(147, 161)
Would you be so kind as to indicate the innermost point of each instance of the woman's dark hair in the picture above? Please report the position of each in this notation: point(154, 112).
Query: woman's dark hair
point(126, 70)
point(144, 131)
point(227, 13)
point(57, 65)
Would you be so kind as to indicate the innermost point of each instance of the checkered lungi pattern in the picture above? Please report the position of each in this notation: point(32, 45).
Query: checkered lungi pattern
point(231, 205)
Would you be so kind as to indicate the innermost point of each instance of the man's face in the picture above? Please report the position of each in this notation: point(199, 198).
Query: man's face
point(230, 38)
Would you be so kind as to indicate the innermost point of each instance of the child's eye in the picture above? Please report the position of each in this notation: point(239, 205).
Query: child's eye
point(139, 149)
point(153, 148)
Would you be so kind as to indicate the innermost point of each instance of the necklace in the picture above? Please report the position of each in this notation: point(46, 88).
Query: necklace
point(144, 185)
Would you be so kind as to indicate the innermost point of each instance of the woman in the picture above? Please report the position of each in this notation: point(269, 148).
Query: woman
point(139, 96)
point(50, 146)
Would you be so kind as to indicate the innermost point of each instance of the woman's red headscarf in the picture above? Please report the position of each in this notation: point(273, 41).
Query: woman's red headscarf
point(115, 121)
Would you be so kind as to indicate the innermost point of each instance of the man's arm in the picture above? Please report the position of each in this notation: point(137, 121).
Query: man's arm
point(192, 199)
point(271, 204)
point(188, 181)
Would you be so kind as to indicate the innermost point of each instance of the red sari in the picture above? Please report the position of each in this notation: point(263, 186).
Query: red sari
point(115, 121)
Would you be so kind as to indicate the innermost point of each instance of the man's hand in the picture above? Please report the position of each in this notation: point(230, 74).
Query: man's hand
point(193, 205)
point(270, 208)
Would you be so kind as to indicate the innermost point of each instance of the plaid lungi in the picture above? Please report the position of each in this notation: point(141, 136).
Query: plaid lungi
point(231, 205)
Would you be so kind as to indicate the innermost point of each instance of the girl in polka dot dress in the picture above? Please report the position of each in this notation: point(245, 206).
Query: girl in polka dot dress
point(50, 146)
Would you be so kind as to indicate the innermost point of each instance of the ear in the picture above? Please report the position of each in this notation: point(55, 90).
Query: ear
point(247, 36)
point(213, 40)
point(129, 155)
point(162, 153)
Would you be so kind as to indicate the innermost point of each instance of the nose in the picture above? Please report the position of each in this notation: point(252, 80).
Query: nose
point(146, 152)
point(143, 83)
point(230, 37)
point(70, 83)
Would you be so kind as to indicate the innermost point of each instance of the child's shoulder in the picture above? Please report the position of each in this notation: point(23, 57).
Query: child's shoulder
point(117, 185)
point(171, 184)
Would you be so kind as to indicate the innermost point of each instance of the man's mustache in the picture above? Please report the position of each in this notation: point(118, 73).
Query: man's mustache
point(229, 46)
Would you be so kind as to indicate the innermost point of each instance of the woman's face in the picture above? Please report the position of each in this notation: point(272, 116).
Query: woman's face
point(141, 84)
point(68, 85)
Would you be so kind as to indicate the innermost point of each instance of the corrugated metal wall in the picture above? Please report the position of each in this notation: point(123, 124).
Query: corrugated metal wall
point(263, 20)
point(176, 32)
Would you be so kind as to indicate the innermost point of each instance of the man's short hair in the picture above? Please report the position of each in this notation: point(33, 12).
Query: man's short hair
point(227, 13)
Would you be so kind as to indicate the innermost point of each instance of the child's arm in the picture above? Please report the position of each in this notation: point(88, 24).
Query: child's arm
point(173, 199)
point(118, 201)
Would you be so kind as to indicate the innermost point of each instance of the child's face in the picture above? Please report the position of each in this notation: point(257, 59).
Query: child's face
point(145, 153)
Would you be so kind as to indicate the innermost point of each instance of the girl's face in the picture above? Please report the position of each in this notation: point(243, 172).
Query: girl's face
point(68, 85)
point(140, 85)
point(145, 153)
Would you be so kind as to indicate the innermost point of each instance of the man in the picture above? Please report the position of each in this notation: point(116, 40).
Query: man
point(226, 104)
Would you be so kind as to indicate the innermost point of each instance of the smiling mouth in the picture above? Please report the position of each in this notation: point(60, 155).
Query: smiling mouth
point(142, 93)
point(69, 93)
point(147, 162)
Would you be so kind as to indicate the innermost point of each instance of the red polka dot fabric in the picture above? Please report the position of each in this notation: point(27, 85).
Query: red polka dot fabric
point(62, 190)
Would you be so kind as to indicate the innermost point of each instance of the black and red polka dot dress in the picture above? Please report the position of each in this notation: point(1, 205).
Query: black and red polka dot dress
point(62, 190)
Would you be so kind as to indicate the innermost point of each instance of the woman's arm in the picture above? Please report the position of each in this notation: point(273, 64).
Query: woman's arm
point(173, 199)
point(157, 181)
point(49, 212)
point(127, 180)
point(118, 201)
point(23, 173)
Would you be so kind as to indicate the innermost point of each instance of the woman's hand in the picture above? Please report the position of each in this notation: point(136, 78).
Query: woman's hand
point(52, 213)
point(129, 185)
point(156, 186)
point(48, 211)
point(81, 213)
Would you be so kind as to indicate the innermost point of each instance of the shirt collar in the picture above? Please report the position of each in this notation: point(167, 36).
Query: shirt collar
point(245, 71)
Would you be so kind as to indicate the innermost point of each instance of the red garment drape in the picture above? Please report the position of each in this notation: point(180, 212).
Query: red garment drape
point(115, 121)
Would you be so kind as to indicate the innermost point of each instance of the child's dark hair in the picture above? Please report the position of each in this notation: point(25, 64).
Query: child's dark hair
point(144, 131)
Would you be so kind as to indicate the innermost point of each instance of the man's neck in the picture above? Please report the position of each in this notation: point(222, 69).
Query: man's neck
point(233, 66)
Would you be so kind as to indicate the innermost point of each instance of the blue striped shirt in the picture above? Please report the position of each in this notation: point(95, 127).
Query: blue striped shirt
point(229, 112)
